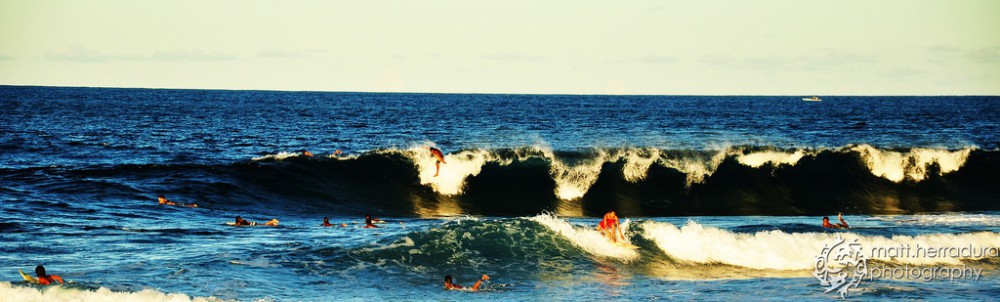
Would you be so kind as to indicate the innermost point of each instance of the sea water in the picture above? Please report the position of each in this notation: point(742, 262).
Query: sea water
point(721, 196)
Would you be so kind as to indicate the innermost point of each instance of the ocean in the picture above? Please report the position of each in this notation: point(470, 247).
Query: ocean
point(720, 196)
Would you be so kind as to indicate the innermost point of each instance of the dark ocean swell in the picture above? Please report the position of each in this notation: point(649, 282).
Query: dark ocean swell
point(519, 182)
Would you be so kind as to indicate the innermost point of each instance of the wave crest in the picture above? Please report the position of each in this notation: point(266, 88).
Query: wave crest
point(575, 173)
point(778, 250)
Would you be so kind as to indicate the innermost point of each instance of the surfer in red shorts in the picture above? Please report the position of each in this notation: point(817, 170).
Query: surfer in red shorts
point(46, 279)
point(440, 160)
point(841, 225)
point(452, 286)
point(610, 227)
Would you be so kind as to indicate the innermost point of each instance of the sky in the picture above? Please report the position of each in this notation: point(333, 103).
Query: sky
point(769, 47)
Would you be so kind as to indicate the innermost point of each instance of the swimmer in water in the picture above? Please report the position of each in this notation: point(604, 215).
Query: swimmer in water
point(369, 222)
point(326, 222)
point(440, 160)
point(841, 225)
point(452, 286)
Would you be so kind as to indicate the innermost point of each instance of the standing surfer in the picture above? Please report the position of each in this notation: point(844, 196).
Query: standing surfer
point(610, 227)
point(440, 160)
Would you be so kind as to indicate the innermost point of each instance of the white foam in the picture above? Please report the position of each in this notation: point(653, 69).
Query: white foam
point(758, 159)
point(696, 167)
point(573, 181)
point(588, 238)
point(943, 219)
point(574, 178)
point(912, 165)
point(61, 293)
point(637, 163)
point(777, 250)
point(278, 156)
point(457, 167)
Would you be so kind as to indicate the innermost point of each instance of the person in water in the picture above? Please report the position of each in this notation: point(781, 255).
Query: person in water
point(326, 222)
point(841, 225)
point(307, 153)
point(449, 285)
point(369, 222)
point(610, 227)
point(440, 160)
point(164, 201)
point(242, 222)
point(46, 279)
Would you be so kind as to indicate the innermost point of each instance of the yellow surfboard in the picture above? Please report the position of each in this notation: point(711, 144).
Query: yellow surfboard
point(626, 245)
point(27, 277)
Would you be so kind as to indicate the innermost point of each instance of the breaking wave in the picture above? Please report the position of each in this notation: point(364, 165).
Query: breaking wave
point(548, 241)
point(779, 250)
point(746, 180)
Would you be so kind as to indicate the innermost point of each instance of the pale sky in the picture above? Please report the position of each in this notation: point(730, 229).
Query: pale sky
point(793, 47)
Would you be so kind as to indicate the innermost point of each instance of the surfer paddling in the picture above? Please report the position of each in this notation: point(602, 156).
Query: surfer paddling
point(440, 160)
point(163, 200)
point(46, 279)
point(243, 222)
point(610, 228)
point(449, 285)
point(841, 225)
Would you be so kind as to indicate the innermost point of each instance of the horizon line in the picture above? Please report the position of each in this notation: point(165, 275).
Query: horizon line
point(497, 93)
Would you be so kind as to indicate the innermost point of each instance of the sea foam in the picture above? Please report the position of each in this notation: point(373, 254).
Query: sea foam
point(778, 250)
point(59, 293)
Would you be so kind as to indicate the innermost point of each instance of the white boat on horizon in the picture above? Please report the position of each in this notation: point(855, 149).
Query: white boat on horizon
point(812, 99)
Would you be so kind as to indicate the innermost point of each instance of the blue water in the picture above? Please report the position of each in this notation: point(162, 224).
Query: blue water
point(80, 169)
point(60, 126)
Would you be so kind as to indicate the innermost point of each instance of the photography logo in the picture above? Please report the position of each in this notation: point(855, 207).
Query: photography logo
point(841, 266)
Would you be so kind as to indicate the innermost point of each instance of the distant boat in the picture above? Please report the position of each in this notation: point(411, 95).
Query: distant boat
point(812, 99)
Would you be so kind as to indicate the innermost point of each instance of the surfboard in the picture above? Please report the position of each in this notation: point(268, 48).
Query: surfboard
point(27, 277)
point(626, 245)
